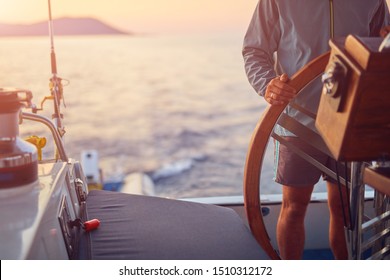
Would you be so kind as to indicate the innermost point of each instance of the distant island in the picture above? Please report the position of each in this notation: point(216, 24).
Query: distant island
point(62, 26)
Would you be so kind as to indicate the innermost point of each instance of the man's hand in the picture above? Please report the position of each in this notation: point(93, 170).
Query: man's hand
point(278, 92)
point(384, 31)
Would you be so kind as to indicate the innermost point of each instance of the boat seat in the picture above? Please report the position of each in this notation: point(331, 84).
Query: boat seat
point(144, 228)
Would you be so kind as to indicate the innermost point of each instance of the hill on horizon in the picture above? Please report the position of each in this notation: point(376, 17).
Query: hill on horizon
point(62, 26)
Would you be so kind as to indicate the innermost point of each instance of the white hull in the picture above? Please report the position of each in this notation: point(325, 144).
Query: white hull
point(32, 228)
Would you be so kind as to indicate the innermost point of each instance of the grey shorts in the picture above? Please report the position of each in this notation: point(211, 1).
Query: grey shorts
point(292, 170)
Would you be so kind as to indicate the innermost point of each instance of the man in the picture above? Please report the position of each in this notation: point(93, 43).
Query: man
point(286, 35)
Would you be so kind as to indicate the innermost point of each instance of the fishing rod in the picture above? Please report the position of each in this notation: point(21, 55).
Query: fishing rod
point(56, 87)
point(56, 90)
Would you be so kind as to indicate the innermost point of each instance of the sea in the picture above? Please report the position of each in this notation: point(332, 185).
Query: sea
point(178, 108)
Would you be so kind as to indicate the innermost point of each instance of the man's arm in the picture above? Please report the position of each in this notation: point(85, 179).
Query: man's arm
point(260, 43)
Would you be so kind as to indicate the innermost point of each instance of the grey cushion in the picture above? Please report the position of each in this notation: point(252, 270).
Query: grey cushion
point(143, 227)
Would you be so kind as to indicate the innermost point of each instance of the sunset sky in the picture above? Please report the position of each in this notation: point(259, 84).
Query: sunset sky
point(139, 15)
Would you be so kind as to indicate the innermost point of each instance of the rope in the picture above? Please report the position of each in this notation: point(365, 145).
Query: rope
point(331, 19)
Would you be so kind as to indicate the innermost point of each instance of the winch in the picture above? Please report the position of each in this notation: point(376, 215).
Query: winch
point(18, 158)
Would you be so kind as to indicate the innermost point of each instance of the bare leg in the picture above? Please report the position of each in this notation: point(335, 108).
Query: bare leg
point(337, 221)
point(290, 230)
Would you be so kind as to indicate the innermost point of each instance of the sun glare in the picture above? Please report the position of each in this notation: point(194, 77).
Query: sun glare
point(135, 15)
point(22, 11)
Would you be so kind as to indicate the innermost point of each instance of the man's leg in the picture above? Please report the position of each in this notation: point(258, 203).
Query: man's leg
point(338, 218)
point(290, 230)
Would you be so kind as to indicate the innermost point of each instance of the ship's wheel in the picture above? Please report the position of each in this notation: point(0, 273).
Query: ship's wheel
point(257, 149)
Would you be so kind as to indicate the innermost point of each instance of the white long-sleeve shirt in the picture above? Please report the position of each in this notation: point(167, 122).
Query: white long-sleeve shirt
point(297, 31)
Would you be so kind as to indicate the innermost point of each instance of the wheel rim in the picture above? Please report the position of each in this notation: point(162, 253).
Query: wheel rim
point(257, 149)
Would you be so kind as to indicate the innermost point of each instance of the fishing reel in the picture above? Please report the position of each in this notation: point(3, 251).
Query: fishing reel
point(56, 87)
